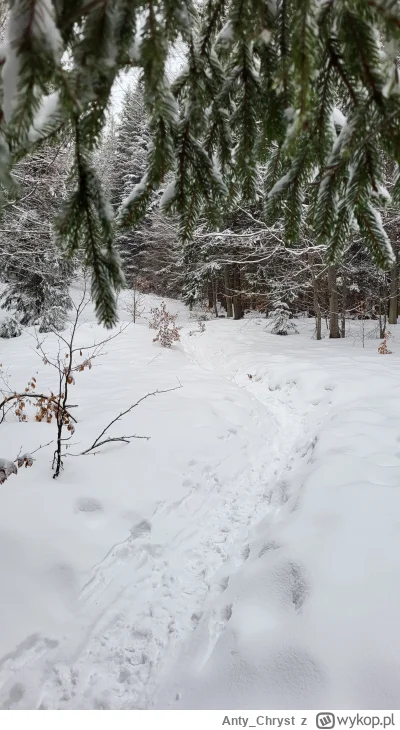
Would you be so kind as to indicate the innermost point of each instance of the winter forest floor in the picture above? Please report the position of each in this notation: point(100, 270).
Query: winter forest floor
point(247, 555)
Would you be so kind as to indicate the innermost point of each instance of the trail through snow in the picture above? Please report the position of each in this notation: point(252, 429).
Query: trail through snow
point(246, 556)
point(140, 601)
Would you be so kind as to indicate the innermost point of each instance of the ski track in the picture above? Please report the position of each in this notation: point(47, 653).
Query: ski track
point(144, 597)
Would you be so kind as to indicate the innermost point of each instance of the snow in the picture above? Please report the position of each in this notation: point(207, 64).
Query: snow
point(382, 193)
point(245, 556)
point(280, 185)
point(266, 36)
point(338, 117)
point(43, 31)
point(389, 253)
point(226, 34)
point(135, 193)
point(135, 48)
point(168, 194)
point(48, 108)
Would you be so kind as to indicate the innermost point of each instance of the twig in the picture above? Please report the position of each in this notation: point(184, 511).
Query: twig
point(123, 439)
point(42, 447)
point(153, 358)
point(98, 441)
point(95, 345)
point(29, 453)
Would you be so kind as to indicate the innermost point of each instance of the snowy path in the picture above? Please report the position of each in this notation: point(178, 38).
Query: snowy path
point(246, 556)
point(145, 596)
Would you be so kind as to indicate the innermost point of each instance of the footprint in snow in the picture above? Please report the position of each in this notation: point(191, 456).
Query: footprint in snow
point(300, 587)
point(224, 583)
point(226, 613)
point(230, 433)
point(140, 529)
point(16, 694)
point(88, 504)
point(268, 547)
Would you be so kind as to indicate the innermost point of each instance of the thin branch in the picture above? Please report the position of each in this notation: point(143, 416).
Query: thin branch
point(95, 345)
point(123, 439)
point(98, 441)
point(41, 447)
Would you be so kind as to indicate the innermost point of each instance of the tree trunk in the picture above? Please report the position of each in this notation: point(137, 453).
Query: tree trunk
point(333, 304)
point(317, 308)
point(237, 297)
point(228, 293)
point(210, 294)
point(382, 318)
point(344, 303)
point(215, 296)
point(393, 295)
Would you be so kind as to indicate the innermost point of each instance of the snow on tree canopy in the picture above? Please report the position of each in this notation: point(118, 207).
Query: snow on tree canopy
point(136, 193)
point(281, 319)
point(234, 60)
point(338, 117)
point(168, 194)
point(9, 328)
point(47, 110)
point(36, 22)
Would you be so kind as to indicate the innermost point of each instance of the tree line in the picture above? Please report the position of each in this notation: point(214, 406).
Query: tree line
point(243, 264)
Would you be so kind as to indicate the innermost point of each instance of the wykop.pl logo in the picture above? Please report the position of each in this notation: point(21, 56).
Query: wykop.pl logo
point(325, 720)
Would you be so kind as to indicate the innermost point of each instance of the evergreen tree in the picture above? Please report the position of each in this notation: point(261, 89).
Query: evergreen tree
point(261, 84)
point(148, 251)
point(9, 328)
point(132, 141)
point(281, 319)
point(36, 272)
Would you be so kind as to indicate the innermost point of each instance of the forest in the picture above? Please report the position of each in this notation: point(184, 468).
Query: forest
point(243, 265)
point(199, 358)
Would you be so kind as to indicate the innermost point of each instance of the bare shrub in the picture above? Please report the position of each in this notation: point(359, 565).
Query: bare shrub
point(165, 324)
point(383, 348)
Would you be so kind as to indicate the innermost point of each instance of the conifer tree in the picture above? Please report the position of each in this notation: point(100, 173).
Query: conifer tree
point(131, 146)
point(35, 270)
point(148, 251)
point(281, 319)
point(262, 83)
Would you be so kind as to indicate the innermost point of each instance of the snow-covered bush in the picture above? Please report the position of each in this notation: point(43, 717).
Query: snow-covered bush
point(10, 328)
point(281, 324)
point(165, 324)
point(54, 318)
point(40, 299)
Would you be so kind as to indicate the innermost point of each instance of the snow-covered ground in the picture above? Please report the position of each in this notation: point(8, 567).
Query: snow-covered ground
point(247, 555)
